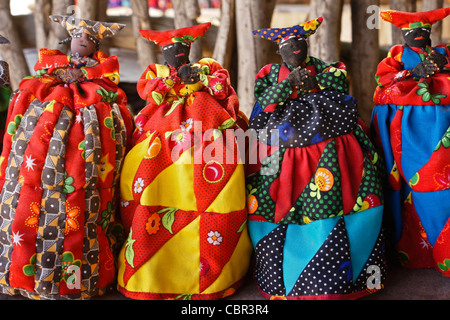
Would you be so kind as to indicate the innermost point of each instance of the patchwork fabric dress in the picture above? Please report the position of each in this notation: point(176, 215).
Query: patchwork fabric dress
point(315, 197)
point(183, 190)
point(411, 120)
point(63, 152)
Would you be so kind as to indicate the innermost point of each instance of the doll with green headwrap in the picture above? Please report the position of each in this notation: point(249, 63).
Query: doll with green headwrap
point(5, 91)
point(68, 130)
point(314, 195)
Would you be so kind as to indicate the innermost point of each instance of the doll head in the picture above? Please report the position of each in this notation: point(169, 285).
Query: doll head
point(417, 37)
point(293, 51)
point(176, 54)
point(86, 34)
point(83, 45)
point(176, 44)
point(292, 44)
point(415, 26)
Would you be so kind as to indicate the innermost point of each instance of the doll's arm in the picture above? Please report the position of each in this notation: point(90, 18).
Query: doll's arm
point(213, 76)
point(268, 91)
point(331, 76)
point(155, 83)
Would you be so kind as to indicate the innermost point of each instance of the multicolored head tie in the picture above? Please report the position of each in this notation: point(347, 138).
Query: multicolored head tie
point(3, 40)
point(184, 35)
point(279, 35)
point(95, 29)
point(412, 20)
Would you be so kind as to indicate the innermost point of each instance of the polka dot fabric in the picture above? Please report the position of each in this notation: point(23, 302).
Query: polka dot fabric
point(269, 269)
point(321, 178)
point(329, 272)
point(307, 120)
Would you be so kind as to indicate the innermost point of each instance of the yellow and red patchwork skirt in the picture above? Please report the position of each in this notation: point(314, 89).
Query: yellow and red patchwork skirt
point(184, 204)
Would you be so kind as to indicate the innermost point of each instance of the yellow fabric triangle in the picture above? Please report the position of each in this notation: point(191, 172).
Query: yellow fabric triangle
point(173, 187)
point(174, 268)
point(232, 197)
point(131, 166)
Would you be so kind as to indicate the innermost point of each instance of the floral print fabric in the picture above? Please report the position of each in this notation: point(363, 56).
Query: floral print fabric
point(318, 186)
point(183, 204)
point(63, 152)
point(411, 123)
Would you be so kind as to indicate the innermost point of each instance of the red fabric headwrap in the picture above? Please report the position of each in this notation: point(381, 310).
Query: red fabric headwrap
point(186, 35)
point(411, 20)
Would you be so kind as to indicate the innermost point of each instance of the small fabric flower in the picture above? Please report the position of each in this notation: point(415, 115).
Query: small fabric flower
point(215, 238)
point(153, 223)
point(216, 84)
point(139, 185)
point(180, 139)
point(187, 125)
point(311, 25)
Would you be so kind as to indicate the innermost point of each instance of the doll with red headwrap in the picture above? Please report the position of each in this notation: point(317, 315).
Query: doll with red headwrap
point(411, 121)
point(183, 184)
point(68, 128)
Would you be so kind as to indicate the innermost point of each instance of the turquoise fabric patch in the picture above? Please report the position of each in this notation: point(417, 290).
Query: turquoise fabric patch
point(259, 229)
point(363, 229)
point(301, 244)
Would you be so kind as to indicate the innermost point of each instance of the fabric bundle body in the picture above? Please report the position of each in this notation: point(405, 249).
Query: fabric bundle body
point(315, 197)
point(62, 155)
point(183, 189)
point(411, 120)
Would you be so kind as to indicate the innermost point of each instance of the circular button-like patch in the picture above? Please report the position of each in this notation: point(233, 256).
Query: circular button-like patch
point(213, 172)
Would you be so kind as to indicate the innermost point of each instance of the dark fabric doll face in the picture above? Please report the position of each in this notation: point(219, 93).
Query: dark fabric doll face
point(418, 37)
point(176, 54)
point(83, 44)
point(293, 51)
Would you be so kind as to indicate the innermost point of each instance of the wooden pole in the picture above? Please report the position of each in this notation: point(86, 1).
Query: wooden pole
point(253, 52)
point(57, 32)
point(42, 10)
point(436, 33)
point(186, 14)
point(365, 57)
point(325, 44)
point(401, 5)
point(12, 53)
point(225, 37)
point(141, 21)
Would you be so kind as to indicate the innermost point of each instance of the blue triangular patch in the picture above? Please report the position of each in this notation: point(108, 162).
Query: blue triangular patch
point(259, 229)
point(302, 243)
point(363, 229)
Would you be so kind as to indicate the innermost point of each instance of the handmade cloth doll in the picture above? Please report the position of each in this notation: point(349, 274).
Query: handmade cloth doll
point(411, 121)
point(315, 197)
point(183, 182)
point(68, 128)
point(5, 92)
